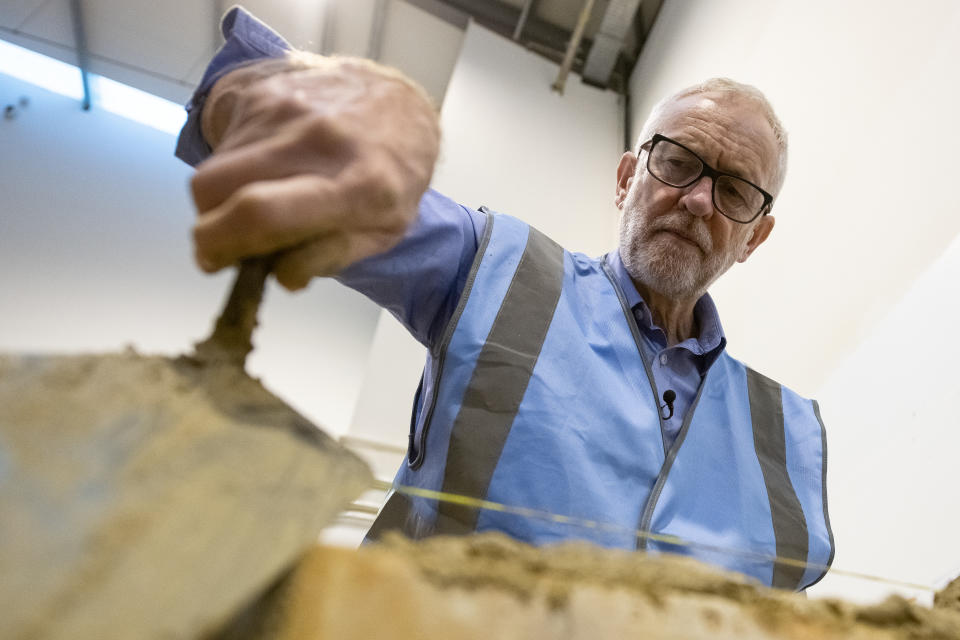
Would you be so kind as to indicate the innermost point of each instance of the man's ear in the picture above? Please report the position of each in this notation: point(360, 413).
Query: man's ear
point(759, 234)
point(628, 164)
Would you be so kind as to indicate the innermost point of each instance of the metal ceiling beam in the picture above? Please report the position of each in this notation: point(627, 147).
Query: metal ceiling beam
point(582, 20)
point(609, 41)
point(545, 38)
point(327, 44)
point(502, 18)
point(375, 43)
point(444, 11)
point(83, 56)
point(524, 14)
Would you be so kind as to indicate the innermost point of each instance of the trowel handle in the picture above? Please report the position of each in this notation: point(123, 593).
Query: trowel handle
point(231, 337)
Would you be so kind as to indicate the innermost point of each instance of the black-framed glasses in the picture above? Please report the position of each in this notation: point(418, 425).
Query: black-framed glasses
point(677, 166)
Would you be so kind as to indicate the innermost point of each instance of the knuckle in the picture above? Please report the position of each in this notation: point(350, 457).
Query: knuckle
point(251, 205)
point(322, 132)
point(199, 187)
point(200, 239)
point(197, 181)
point(422, 174)
point(318, 125)
point(287, 103)
point(394, 227)
point(379, 189)
point(201, 250)
point(384, 195)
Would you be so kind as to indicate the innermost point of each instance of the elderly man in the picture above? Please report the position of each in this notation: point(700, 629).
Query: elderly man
point(588, 398)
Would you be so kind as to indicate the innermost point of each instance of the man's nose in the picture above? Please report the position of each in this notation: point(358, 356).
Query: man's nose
point(698, 197)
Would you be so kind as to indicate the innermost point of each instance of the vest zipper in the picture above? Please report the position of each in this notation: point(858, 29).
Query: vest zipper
point(646, 515)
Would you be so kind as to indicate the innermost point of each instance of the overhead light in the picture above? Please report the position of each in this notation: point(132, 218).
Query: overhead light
point(112, 96)
point(40, 70)
point(138, 105)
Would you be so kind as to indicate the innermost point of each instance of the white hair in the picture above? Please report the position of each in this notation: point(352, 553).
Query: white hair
point(733, 90)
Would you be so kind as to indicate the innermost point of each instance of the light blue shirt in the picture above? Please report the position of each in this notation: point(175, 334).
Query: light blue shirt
point(682, 366)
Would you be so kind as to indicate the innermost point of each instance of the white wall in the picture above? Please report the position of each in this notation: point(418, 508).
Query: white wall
point(867, 91)
point(95, 254)
point(894, 494)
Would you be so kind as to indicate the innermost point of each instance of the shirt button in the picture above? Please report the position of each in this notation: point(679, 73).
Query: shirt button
point(663, 358)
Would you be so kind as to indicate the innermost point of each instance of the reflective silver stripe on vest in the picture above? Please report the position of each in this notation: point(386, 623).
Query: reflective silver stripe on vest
point(823, 489)
point(499, 380)
point(769, 440)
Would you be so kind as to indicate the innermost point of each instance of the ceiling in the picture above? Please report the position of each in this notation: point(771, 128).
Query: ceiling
point(163, 47)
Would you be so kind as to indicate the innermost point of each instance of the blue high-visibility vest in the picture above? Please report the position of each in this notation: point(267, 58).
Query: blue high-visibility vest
point(538, 398)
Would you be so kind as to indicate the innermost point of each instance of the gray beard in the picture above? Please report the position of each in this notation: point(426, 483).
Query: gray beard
point(663, 268)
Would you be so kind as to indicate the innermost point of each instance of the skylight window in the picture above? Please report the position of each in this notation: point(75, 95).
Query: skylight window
point(109, 95)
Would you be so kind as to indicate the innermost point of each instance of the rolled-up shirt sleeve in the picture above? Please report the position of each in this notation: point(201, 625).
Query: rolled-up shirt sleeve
point(246, 40)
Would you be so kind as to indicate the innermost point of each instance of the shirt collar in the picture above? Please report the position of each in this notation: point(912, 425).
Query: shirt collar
point(711, 341)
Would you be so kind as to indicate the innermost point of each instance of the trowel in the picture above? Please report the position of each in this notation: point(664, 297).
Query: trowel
point(155, 497)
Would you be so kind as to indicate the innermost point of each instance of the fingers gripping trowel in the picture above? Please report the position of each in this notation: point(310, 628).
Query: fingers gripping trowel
point(147, 497)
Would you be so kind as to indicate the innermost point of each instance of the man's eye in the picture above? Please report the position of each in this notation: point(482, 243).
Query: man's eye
point(679, 163)
point(730, 191)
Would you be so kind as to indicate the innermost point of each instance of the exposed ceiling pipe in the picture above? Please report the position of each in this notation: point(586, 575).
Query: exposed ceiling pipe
point(609, 41)
point(83, 56)
point(376, 30)
point(524, 14)
point(582, 20)
point(327, 45)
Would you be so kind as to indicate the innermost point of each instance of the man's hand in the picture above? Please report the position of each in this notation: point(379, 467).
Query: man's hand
point(320, 161)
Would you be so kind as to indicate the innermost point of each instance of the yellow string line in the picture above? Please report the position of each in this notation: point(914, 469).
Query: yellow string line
point(526, 512)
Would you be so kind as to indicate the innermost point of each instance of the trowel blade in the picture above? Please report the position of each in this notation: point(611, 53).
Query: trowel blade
point(149, 497)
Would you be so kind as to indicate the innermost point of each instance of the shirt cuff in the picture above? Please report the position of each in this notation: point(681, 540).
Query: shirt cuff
point(247, 40)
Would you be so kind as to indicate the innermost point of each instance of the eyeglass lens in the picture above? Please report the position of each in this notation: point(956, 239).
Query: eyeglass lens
point(678, 167)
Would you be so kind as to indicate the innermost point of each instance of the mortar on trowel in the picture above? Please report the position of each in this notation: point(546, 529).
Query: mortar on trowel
point(145, 496)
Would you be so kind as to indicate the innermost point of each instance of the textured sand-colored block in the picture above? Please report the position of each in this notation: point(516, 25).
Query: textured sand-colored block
point(490, 587)
point(148, 497)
